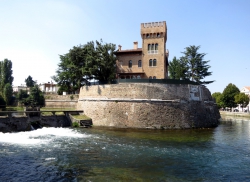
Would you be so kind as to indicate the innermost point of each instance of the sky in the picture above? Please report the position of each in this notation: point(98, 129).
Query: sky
point(33, 33)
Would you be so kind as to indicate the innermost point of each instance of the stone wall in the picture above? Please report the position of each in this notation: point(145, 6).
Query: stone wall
point(61, 101)
point(149, 106)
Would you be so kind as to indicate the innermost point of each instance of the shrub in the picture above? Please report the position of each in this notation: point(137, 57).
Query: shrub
point(75, 124)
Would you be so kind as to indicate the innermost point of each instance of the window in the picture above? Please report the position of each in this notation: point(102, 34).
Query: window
point(139, 64)
point(150, 62)
point(152, 48)
point(158, 35)
point(149, 47)
point(138, 77)
point(150, 77)
point(154, 77)
point(130, 64)
point(156, 48)
point(154, 62)
point(148, 36)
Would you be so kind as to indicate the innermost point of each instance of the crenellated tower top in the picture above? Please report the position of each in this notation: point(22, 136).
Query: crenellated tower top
point(154, 30)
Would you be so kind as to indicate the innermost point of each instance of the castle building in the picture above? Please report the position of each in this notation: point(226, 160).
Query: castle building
point(148, 62)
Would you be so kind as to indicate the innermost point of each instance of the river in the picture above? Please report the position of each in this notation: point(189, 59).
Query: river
point(108, 154)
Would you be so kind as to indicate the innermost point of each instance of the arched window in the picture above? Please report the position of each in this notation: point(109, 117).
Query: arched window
point(139, 64)
point(158, 35)
point(150, 77)
point(154, 77)
point(148, 36)
point(149, 48)
point(130, 64)
point(156, 47)
point(150, 62)
point(152, 48)
point(138, 77)
point(154, 62)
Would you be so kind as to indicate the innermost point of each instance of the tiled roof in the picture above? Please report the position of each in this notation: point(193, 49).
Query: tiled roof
point(248, 88)
point(130, 50)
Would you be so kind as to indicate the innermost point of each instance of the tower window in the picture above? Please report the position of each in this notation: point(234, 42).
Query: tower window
point(150, 62)
point(150, 77)
point(148, 36)
point(139, 63)
point(130, 64)
point(154, 62)
point(154, 77)
point(158, 35)
point(152, 48)
point(149, 47)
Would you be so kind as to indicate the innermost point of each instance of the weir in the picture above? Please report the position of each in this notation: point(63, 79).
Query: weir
point(13, 121)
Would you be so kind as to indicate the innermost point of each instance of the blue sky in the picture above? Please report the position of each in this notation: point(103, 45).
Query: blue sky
point(34, 33)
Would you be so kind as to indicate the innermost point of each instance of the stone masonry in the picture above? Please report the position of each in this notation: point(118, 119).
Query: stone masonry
point(166, 106)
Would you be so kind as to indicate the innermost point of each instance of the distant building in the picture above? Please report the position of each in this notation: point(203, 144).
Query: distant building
point(245, 90)
point(150, 61)
point(18, 88)
point(49, 87)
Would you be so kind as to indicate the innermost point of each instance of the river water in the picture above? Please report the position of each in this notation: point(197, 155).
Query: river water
point(108, 154)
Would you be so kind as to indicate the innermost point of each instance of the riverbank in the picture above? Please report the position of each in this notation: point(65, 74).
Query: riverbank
point(235, 114)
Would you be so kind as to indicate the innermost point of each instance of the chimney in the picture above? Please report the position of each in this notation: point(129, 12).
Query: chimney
point(135, 45)
point(119, 47)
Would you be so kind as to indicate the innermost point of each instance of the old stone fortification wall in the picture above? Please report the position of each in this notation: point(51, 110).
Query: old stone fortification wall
point(61, 101)
point(141, 105)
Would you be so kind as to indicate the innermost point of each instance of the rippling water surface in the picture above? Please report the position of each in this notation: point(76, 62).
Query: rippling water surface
point(106, 154)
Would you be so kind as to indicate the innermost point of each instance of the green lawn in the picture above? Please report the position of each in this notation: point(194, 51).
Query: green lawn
point(83, 117)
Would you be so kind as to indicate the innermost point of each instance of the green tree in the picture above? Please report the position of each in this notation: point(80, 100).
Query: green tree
point(242, 99)
point(2, 102)
point(85, 62)
point(177, 69)
point(35, 98)
point(218, 99)
point(5, 73)
point(7, 93)
point(197, 67)
point(101, 62)
point(30, 82)
point(22, 96)
point(228, 95)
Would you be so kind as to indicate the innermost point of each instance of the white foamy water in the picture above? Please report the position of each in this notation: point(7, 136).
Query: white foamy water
point(39, 136)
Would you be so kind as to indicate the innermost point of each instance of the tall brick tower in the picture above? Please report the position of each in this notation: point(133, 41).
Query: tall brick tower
point(155, 56)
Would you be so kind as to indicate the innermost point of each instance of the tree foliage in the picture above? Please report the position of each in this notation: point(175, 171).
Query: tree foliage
point(30, 82)
point(218, 99)
point(241, 99)
point(7, 93)
point(177, 69)
point(190, 66)
point(228, 95)
point(34, 99)
point(84, 62)
point(6, 73)
point(6, 80)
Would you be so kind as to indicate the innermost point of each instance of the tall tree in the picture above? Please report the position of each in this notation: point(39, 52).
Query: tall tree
point(177, 69)
point(242, 99)
point(30, 82)
point(5, 73)
point(7, 93)
point(197, 67)
point(103, 63)
point(228, 95)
